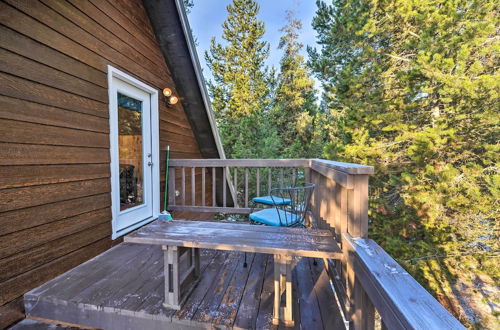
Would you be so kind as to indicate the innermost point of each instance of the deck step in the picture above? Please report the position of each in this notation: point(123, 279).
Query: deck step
point(123, 288)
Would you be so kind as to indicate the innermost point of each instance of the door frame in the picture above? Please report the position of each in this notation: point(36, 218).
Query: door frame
point(114, 73)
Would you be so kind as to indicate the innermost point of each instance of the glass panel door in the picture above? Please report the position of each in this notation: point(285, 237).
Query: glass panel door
point(130, 141)
point(131, 150)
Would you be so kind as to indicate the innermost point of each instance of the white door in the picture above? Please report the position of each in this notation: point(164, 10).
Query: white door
point(131, 155)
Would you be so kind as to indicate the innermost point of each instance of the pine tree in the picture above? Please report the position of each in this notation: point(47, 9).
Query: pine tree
point(240, 90)
point(413, 87)
point(295, 111)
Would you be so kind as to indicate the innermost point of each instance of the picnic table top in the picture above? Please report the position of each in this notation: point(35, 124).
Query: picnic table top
point(302, 242)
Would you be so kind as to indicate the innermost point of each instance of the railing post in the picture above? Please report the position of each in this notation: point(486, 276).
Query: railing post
point(360, 308)
point(358, 207)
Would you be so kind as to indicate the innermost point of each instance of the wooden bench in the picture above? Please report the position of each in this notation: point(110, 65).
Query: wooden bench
point(184, 238)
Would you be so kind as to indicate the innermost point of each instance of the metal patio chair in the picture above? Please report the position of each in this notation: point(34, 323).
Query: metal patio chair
point(285, 214)
point(291, 213)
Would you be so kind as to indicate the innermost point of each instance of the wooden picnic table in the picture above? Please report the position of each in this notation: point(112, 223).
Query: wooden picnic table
point(184, 238)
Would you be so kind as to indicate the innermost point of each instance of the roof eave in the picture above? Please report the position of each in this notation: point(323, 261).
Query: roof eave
point(170, 24)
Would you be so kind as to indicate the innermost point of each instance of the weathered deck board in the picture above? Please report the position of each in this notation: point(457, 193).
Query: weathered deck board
point(330, 314)
point(246, 315)
point(265, 310)
point(123, 289)
point(309, 308)
point(228, 308)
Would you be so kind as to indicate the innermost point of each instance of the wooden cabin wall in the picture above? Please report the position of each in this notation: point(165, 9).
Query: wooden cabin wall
point(54, 130)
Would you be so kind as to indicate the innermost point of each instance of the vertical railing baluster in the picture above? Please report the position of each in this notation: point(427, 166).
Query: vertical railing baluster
point(246, 186)
point(183, 171)
point(203, 169)
point(282, 177)
point(236, 185)
point(257, 179)
point(224, 186)
point(269, 180)
point(294, 177)
point(307, 174)
point(193, 186)
point(214, 202)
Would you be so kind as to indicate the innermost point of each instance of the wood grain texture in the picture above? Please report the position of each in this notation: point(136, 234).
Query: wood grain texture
point(31, 112)
point(41, 254)
point(126, 282)
point(29, 154)
point(41, 73)
point(400, 300)
point(125, 35)
point(16, 198)
point(16, 176)
point(13, 287)
point(20, 88)
point(29, 48)
point(349, 168)
point(120, 17)
point(13, 131)
point(87, 24)
point(11, 313)
point(26, 239)
point(236, 238)
point(54, 128)
point(17, 220)
point(66, 27)
point(240, 162)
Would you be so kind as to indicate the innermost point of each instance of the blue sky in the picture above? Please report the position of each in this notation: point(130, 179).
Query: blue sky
point(207, 16)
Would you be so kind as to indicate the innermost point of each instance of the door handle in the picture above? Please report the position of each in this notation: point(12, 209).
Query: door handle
point(150, 163)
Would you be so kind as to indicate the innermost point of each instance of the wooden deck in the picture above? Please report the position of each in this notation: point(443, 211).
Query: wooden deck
point(123, 289)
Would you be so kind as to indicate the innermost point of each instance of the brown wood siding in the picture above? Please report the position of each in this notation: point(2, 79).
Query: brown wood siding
point(54, 130)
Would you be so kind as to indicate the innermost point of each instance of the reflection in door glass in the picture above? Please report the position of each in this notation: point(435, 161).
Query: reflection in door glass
point(130, 151)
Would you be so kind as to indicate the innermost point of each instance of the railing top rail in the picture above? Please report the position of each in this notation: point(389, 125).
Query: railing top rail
point(240, 162)
point(401, 301)
point(349, 168)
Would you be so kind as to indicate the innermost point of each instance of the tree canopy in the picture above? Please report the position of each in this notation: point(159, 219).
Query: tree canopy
point(241, 87)
point(295, 112)
point(408, 86)
point(412, 88)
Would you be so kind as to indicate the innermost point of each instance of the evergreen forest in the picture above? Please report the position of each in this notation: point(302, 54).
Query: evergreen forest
point(410, 87)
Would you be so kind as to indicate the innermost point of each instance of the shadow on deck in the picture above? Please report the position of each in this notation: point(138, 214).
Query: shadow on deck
point(123, 289)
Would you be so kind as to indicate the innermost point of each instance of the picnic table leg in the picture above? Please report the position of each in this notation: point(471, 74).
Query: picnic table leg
point(283, 284)
point(179, 280)
point(171, 267)
point(277, 289)
point(288, 292)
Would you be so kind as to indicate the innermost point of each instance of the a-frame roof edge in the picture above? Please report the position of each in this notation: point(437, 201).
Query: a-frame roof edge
point(171, 27)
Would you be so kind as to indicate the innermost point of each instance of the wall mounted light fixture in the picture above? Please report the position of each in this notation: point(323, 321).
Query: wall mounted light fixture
point(171, 99)
point(167, 92)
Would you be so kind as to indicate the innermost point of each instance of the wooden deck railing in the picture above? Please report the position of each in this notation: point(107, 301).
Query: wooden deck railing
point(230, 183)
point(366, 278)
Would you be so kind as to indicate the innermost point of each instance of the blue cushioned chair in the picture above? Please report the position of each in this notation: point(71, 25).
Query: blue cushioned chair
point(271, 200)
point(290, 207)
